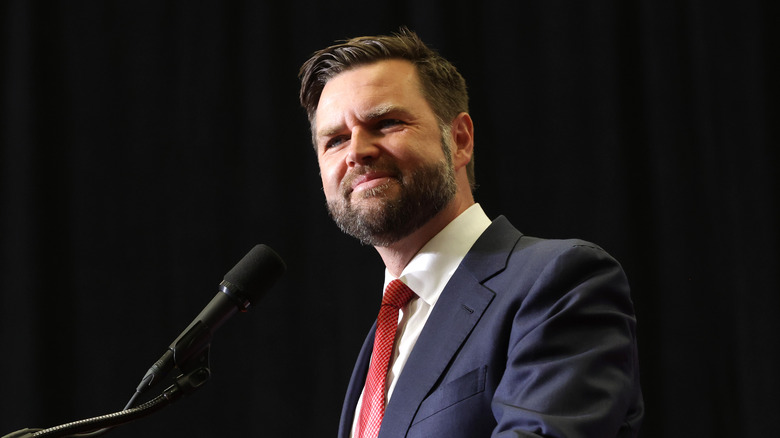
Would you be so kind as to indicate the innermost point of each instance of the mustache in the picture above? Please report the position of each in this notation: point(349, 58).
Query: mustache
point(391, 169)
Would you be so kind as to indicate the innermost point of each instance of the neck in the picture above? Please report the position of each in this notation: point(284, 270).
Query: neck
point(397, 255)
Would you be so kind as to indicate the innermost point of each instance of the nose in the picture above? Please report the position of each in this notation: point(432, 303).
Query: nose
point(362, 148)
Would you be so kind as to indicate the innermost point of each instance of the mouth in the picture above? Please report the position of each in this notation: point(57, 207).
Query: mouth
point(371, 180)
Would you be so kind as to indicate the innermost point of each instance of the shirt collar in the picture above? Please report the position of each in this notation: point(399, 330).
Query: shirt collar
point(431, 268)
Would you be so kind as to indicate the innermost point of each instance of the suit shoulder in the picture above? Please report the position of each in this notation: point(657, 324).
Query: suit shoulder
point(502, 250)
point(502, 229)
point(545, 250)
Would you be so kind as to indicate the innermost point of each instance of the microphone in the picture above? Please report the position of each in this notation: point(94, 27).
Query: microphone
point(246, 283)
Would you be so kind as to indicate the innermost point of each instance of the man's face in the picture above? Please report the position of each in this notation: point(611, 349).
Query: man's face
point(381, 153)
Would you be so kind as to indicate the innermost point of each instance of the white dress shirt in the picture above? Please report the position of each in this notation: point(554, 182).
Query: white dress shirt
point(427, 274)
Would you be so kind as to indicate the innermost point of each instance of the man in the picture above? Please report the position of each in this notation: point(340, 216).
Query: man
point(505, 334)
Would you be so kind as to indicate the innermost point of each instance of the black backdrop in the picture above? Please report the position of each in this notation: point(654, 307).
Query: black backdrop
point(147, 145)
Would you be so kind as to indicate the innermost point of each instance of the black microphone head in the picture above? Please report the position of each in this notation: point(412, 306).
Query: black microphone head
point(254, 275)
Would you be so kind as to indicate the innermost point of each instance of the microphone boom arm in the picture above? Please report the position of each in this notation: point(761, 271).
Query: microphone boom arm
point(183, 385)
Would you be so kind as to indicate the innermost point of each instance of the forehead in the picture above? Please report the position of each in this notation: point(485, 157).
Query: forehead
point(365, 88)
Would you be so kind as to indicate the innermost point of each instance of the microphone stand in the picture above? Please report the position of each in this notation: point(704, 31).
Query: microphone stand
point(251, 276)
point(183, 385)
point(190, 352)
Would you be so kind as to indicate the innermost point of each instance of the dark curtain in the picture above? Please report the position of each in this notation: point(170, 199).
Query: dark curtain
point(146, 146)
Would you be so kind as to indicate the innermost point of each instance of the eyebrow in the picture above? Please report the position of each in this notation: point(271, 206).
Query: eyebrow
point(383, 110)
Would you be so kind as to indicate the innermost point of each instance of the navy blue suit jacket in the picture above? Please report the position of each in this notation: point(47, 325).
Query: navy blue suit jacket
point(530, 337)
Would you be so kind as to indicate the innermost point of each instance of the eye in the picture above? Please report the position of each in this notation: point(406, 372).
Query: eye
point(389, 124)
point(335, 141)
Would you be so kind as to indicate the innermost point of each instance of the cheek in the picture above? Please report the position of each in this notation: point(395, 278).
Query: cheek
point(331, 178)
point(424, 148)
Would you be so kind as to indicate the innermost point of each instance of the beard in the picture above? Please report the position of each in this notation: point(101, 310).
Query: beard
point(423, 193)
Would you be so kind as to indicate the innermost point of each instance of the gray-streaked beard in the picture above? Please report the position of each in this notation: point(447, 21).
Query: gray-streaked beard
point(424, 192)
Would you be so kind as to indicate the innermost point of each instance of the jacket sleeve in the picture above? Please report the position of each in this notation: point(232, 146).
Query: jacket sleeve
point(572, 366)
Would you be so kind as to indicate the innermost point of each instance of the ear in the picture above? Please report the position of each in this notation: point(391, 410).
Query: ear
point(463, 139)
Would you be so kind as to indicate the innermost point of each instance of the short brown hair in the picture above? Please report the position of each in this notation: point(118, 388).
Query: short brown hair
point(442, 85)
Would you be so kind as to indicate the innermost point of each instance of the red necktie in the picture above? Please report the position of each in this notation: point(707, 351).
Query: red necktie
point(372, 410)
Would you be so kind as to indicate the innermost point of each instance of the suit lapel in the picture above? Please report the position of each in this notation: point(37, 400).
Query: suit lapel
point(356, 383)
point(460, 306)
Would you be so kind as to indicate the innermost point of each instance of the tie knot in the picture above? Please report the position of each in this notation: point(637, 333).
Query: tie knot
point(397, 294)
